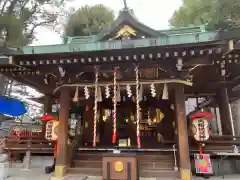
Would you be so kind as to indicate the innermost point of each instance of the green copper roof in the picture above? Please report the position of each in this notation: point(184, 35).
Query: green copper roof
point(151, 37)
point(185, 30)
point(76, 45)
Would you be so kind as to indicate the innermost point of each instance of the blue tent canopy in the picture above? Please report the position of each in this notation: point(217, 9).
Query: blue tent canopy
point(12, 107)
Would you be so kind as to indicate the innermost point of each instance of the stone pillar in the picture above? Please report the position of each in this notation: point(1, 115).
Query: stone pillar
point(225, 113)
point(181, 122)
point(27, 160)
point(61, 161)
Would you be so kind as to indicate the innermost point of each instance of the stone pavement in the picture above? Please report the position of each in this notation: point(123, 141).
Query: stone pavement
point(38, 174)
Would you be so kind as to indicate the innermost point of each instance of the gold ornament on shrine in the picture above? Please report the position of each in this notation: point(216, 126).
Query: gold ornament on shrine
point(159, 115)
point(126, 31)
point(118, 166)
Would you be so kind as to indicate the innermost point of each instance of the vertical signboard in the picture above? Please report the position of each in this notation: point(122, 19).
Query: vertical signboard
point(203, 164)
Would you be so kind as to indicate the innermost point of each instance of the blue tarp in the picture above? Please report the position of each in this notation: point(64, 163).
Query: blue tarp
point(12, 107)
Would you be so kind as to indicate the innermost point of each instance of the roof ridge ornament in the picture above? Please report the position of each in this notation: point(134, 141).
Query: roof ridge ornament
point(125, 4)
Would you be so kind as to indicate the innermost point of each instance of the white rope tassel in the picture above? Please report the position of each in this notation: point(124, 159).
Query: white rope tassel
point(165, 92)
point(129, 91)
point(153, 90)
point(86, 92)
point(107, 92)
point(75, 98)
point(138, 107)
point(95, 109)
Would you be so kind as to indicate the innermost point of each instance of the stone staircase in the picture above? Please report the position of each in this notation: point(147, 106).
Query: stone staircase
point(152, 164)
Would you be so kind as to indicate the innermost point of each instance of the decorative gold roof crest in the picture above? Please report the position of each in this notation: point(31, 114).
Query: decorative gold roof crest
point(126, 31)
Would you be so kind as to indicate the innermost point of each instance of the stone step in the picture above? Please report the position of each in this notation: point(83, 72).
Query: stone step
point(86, 171)
point(142, 173)
point(88, 163)
point(142, 165)
point(159, 173)
point(158, 157)
point(156, 165)
point(141, 157)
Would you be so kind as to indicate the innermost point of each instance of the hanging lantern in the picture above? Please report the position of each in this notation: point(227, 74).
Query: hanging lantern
point(153, 90)
point(129, 91)
point(165, 92)
point(200, 125)
point(86, 92)
point(107, 92)
point(75, 98)
point(51, 133)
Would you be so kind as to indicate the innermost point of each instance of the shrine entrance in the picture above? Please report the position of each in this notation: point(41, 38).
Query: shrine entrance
point(157, 126)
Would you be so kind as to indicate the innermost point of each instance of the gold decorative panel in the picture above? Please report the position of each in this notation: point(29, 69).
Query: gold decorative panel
point(126, 31)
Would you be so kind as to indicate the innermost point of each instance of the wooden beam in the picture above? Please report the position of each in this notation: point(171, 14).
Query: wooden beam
point(161, 53)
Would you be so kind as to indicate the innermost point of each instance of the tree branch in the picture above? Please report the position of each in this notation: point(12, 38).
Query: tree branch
point(30, 34)
point(3, 7)
point(11, 7)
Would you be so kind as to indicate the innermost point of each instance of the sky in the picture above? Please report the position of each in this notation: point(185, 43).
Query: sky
point(153, 13)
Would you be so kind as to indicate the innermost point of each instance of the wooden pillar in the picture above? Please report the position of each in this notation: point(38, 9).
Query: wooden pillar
point(61, 161)
point(47, 107)
point(47, 104)
point(225, 114)
point(182, 133)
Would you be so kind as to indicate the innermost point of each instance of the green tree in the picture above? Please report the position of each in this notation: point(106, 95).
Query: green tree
point(89, 20)
point(20, 18)
point(215, 13)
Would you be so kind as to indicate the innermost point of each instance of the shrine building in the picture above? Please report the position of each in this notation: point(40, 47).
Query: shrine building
point(126, 89)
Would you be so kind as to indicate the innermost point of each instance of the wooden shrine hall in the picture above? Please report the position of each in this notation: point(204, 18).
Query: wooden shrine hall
point(128, 87)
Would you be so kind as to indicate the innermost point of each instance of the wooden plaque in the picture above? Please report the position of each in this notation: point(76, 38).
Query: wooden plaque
point(121, 166)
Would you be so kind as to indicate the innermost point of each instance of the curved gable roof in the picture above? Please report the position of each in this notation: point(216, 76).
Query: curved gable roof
point(126, 17)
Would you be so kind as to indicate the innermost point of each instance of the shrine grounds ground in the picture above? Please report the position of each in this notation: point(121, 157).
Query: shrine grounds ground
point(38, 174)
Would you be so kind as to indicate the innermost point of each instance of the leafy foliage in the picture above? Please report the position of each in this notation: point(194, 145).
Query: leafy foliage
point(215, 13)
point(89, 20)
point(20, 18)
